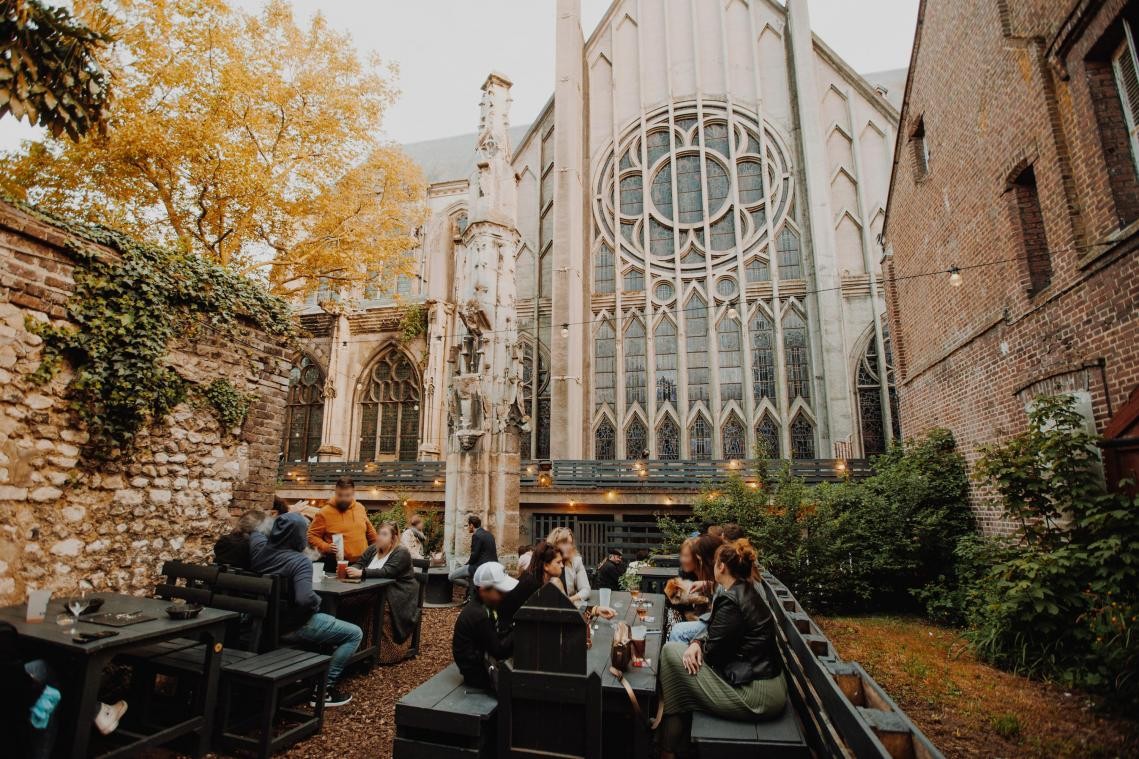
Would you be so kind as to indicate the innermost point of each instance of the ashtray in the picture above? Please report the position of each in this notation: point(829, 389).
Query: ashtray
point(93, 604)
point(183, 611)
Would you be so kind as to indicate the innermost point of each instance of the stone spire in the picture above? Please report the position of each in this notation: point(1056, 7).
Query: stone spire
point(484, 404)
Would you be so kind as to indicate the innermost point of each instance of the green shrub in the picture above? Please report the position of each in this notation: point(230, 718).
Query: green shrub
point(1064, 605)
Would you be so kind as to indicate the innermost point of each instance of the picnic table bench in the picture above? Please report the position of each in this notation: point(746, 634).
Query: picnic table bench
point(444, 718)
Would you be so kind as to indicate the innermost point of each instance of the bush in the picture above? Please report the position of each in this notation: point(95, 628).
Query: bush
point(1064, 605)
point(432, 524)
point(851, 545)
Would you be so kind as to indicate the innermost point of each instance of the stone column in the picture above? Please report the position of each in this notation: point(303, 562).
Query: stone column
point(828, 354)
point(567, 354)
point(337, 396)
point(484, 392)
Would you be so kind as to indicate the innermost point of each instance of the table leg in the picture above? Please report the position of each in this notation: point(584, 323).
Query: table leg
point(85, 697)
point(207, 694)
point(378, 622)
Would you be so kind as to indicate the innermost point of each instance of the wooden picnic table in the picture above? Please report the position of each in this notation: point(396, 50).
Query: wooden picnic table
point(334, 594)
point(80, 667)
point(625, 735)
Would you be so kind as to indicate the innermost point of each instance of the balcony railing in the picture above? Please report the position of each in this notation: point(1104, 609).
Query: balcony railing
point(573, 475)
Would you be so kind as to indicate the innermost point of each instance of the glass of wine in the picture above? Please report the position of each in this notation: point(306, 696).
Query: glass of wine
point(78, 604)
point(636, 594)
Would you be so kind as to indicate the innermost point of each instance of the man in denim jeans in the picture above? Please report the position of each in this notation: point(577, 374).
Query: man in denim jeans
point(282, 553)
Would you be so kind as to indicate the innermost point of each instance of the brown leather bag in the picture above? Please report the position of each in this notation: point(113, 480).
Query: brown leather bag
point(621, 653)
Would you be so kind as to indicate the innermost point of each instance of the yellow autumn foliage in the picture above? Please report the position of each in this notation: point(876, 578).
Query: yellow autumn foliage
point(249, 139)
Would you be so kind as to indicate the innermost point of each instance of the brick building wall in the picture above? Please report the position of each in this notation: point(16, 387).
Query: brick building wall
point(114, 526)
point(1031, 190)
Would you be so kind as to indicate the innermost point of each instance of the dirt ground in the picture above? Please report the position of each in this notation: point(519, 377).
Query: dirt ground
point(968, 708)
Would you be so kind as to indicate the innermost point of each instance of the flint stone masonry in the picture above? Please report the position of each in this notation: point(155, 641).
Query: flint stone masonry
point(170, 498)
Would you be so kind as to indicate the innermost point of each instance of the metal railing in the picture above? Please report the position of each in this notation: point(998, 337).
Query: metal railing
point(573, 474)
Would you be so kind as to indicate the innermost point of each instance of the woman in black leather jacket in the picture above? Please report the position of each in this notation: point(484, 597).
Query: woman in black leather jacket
point(733, 669)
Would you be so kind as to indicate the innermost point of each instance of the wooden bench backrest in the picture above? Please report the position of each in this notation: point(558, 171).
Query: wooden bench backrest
point(543, 713)
point(253, 597)
point(196, 582)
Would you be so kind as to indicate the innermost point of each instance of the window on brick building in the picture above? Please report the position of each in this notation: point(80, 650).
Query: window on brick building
point(305, 415)
point(1034, 242)
point(1126, 66)
point(920, 148)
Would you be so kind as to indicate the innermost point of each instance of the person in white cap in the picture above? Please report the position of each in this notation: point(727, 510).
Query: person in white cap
point(477, 642)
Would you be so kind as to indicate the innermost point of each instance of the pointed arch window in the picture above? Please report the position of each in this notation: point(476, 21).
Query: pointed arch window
point(305, 414)
point(767, 434)
point(734, 440)
point(668, 440)
point(802, 438)
point(790, 259)
point(700, 439)
point(762, 357)
point(696, 323)
point(871, 418)
point(389, 409)
point(731, 361)
point(605, 441)
point(605, 366)
point(664, 343)
point(635, 363)
point(795, 350)
point(604, 270)
point(636, 439)
point(758, 271)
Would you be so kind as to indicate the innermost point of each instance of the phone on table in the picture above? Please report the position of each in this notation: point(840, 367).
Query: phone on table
point(86, 637)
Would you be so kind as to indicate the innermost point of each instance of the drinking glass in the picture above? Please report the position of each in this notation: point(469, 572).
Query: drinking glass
point(78, 604)
point(636, 594)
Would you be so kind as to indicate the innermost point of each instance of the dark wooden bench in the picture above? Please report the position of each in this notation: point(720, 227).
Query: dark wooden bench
point(440, 592)
point(717, 738)
point(445, 719)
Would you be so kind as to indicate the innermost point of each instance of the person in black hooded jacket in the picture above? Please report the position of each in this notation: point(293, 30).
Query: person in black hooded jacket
point(733, 669)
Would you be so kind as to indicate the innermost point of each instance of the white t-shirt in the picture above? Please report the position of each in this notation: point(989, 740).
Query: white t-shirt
point(379, 560)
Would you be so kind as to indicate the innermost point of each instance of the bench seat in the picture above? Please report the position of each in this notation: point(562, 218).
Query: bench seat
point(718, 738)
point(445, 719)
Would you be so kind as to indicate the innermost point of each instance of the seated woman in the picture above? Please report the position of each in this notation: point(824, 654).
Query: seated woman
point(387, 558)
point(546, 565)
point(575, 580)
point(732, 669)
point(690, 591)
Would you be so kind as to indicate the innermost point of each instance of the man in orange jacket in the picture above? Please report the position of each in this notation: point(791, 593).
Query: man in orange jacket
point(346, 516)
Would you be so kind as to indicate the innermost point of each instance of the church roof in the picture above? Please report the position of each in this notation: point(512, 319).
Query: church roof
point(893, 81)
point(450, 158)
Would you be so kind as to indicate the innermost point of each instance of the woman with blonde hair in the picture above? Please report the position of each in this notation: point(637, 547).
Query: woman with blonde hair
point(575, 580)
point(733, 668)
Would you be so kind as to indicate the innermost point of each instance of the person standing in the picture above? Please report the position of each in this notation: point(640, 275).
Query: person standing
point(610, 571)
point(345, 516)
point(412, 538)
point(282, 553)
point(483, 549)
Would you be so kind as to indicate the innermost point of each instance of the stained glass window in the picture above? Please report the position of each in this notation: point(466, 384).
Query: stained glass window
point(750, 182)
point(657, 144)
point(542, 444)
point(700, 439)
point(664, 343)
point(636, 439)
point(795, 355)
point(870, 416)
point(631, 198)
point(635, 363)
point(731, 361)
point(726, 287)
point(668, 440)
point(605, 366)
point(790, 263)
point(389, 409)
point(767, 434)
point(634, 280)
point(734, 439)
point(802, 438)
point(660, 239)
point(605, 442)
point(664, 292)
point(696, 324)
point(762, 357)
point(305, 415)
point(757, 271)
point(604, 273)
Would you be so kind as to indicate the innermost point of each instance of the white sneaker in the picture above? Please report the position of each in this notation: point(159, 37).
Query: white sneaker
point(107, 720)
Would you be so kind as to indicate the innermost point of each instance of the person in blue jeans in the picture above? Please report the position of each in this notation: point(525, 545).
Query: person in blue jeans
point(697, 559)
point(282, 553)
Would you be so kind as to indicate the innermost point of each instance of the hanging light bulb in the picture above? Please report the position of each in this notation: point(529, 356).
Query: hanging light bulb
point(732, 313)
point(954, 276)
point(565, 330)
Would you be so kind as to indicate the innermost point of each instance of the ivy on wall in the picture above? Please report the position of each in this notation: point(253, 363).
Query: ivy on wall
point(125, 312)
point(413, 323)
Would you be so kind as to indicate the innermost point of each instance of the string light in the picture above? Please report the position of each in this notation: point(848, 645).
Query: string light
point(732, 313)
point(955, 276)
point(565, 330)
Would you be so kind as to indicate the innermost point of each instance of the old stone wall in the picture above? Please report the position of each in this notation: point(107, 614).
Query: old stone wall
point(62, 523)
point(999, 89)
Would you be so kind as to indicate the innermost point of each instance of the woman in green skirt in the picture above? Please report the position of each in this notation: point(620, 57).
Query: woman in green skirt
point(733, 668)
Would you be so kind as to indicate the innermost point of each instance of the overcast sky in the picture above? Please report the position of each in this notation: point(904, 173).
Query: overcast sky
point(445, 48)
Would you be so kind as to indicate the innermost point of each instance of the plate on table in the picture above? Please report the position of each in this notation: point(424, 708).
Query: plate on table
point(118, 618)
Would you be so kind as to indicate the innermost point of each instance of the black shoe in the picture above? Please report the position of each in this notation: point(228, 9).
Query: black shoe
point(332, 697)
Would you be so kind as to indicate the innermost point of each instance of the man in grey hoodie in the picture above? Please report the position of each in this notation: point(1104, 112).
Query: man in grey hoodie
point(282, 553)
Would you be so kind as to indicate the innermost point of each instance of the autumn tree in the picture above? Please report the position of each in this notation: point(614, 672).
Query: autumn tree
point(248, 139)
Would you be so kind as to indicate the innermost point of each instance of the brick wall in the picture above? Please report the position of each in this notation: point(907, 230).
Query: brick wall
point(1002, 88)
point(114, 526)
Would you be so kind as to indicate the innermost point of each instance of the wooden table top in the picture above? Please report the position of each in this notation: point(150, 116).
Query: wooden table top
point(52, 635)
point(642, 679)
point(330, 586)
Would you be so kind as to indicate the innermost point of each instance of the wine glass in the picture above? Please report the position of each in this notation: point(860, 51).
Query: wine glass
point(636, 594)
point(78, 604)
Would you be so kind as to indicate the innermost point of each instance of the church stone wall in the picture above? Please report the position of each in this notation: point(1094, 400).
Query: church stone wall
point(61, 523)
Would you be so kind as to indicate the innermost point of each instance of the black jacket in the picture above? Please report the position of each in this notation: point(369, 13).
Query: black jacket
point(609, 575)
point(476, 637)
point(482, 550)
point(233, 550)
point(526, 587)
point(739, 642)
point(403, 596)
